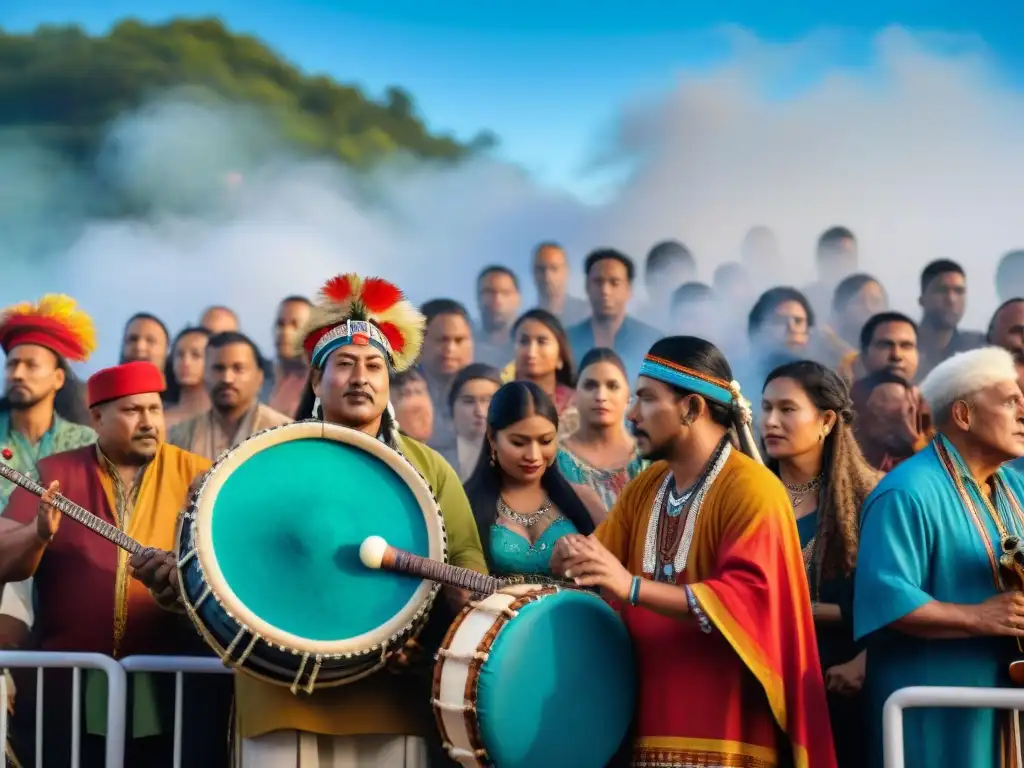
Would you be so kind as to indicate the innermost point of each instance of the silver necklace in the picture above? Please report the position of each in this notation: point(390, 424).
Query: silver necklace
point(799, 492)
point(675, 504)
point(528, 520)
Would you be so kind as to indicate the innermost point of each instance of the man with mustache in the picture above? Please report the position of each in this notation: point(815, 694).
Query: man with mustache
point(933, 601)
point(73, 588)
point(702, 552)
point(233, 380)
point(358, 337)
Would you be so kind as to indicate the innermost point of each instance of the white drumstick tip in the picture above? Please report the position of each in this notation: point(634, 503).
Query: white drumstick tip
point(372, 550)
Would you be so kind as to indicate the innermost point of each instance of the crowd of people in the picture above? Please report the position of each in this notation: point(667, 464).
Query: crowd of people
point(799, 500)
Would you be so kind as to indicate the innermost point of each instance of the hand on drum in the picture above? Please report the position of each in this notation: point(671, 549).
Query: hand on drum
point(158, 571)
point(589, 564)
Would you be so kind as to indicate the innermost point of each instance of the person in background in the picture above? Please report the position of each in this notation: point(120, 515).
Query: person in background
point(64, 582)
point(543, 356)
point(760, 255)
point(601, 453)
point(283, 388)
point(943, 302)
point(610, 276)
point(857, 299)
point(701, 553)
point(892, 422)
point(1010, 275)
point(778, 331)
point(806, 419)
point(1006, 329)
point(669, 265)
point(468, 400)
point(929, 598)
point(521, 502)
point(693, 311)
point(888, 342)
point(40, 393)
point(186, 396)
point(219, 319)
point(498, 299)
point(447, 349)
point(145, 338)
point(836, 257)
point(414, 410)
point(733, 285)
point(233, 377)
point(551, 276)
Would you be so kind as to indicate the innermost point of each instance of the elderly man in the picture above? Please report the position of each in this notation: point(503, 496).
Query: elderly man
point(931, 598)
point(72, 587)
point(361, 334)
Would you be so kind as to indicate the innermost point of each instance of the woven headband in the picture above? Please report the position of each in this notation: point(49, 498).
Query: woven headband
point(359, 333)
point(719, 390)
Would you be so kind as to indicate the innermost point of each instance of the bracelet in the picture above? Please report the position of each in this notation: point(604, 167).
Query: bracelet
point(634, 591)
point(702, 620)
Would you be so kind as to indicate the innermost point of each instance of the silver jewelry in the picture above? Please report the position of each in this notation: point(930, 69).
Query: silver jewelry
point(526, 520)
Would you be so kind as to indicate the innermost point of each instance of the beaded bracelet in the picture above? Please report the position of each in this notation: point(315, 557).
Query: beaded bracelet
point(702, 620)
point(634, 591)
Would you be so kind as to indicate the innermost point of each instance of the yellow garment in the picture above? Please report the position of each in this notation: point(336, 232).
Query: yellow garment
point(148, 512)
point(383, 703)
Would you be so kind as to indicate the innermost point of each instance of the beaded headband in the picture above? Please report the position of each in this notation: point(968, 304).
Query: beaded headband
point(359, 333)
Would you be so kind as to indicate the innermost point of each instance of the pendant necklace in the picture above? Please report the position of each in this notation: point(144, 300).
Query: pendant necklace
point(799, 492)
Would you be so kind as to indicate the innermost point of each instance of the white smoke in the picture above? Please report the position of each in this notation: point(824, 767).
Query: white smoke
point(919, 154)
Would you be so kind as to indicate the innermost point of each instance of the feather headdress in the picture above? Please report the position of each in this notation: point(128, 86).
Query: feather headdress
point(55, 323)
point(355, 310)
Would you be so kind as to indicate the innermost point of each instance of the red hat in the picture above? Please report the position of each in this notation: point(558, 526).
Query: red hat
point(124, 380)
point(55, 323)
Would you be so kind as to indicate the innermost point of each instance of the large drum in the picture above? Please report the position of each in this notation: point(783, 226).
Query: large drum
point(535, 676)
point(269, 555)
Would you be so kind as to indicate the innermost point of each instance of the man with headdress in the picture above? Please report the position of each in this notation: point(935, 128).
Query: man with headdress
point(361, 333)
point(934, 596)
point(39, 341)
point(72, 587)
point(703, 553)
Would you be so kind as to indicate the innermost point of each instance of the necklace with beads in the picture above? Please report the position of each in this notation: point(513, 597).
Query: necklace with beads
point(799, 492)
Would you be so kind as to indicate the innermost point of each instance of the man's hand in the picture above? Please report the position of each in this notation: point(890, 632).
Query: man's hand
point(595, 566)
point(564, 550)
point(158, 571)
point(48, 516)
point(999, 616)
point(847, 679)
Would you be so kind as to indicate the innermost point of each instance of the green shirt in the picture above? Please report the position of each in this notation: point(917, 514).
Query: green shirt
point(60, 437)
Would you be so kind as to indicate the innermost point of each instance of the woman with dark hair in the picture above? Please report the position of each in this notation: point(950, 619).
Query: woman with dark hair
point(779, 329)
point(544, 356)
point(520, 500)
point(807, 431)
point(601, 454)
point(468, 401)
point(186, 395)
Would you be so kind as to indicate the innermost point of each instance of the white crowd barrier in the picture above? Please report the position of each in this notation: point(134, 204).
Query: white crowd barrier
point(936, 696)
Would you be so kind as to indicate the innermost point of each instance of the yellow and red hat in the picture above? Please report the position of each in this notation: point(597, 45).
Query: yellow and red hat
point(55, 323)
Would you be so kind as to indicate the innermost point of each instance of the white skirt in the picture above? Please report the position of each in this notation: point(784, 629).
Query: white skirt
point(297, 749)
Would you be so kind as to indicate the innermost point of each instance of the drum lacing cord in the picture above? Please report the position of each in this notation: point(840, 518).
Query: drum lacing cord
point(461, 708)
point(230, 650)
point(456, 752)
point(308, 687)
point(506, 611)
point(446, 654)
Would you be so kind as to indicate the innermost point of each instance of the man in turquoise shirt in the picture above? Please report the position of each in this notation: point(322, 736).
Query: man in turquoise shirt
point(931, 598)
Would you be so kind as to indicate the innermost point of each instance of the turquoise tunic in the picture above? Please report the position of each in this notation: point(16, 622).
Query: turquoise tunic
point(918, 543)
point(60, 437)
point(511, 553)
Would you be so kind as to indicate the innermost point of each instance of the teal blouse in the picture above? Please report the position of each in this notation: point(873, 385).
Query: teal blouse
point(512, 553)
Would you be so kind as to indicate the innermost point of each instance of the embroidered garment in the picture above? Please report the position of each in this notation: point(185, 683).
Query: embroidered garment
point(205, 436)
point(607, 483)
point(62, 436)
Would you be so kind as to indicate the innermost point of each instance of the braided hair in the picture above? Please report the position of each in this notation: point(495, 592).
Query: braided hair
point(847, 480)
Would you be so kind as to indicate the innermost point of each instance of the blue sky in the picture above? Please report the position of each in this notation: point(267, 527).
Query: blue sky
point(547, 77)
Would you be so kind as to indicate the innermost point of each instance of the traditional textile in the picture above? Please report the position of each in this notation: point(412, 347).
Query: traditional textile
point(384, 703)
point(82, 598)
point(720, 702)
point(295, 749)
point(135, 378)
point(55, 323)
point(61, 436)
point(927, 534)
point(204, 434)
point(607, 483)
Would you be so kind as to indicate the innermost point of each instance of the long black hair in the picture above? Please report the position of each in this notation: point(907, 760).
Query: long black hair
point(566, 375)
point(172, 394)
point(512, 403)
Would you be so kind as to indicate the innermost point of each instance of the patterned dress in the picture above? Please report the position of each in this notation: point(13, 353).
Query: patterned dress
point(607, 483)
point(62, 436)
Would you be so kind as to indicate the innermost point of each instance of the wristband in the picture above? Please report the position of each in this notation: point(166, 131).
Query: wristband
point(634, 591)
point(702, 620)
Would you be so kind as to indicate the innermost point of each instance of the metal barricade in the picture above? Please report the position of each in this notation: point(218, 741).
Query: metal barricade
point(117, 699)
point(179, 666)
point(936, 696)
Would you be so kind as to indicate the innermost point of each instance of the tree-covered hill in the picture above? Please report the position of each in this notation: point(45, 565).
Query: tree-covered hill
point(64, 87)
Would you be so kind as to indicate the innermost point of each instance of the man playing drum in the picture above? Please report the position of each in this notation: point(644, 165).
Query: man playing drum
point(703, 552)
point(361, 333)
point(73, 587)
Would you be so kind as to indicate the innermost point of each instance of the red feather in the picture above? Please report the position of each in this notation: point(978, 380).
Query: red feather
point(393, 335)
point(337, 289)
point(379, 295)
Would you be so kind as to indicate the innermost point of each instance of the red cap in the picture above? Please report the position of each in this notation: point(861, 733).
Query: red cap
point(43, 331)
point(124, 380)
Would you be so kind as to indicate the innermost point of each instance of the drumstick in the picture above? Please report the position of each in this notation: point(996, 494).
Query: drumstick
point(377, 554)
point(79, 514)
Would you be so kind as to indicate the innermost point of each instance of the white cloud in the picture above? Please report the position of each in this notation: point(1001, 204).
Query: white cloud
point(919, 153)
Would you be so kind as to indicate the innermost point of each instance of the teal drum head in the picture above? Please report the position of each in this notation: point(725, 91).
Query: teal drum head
point(279, 523)
point(559, 685)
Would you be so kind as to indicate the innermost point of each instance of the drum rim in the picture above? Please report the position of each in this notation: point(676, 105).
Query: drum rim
point(202, 540)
